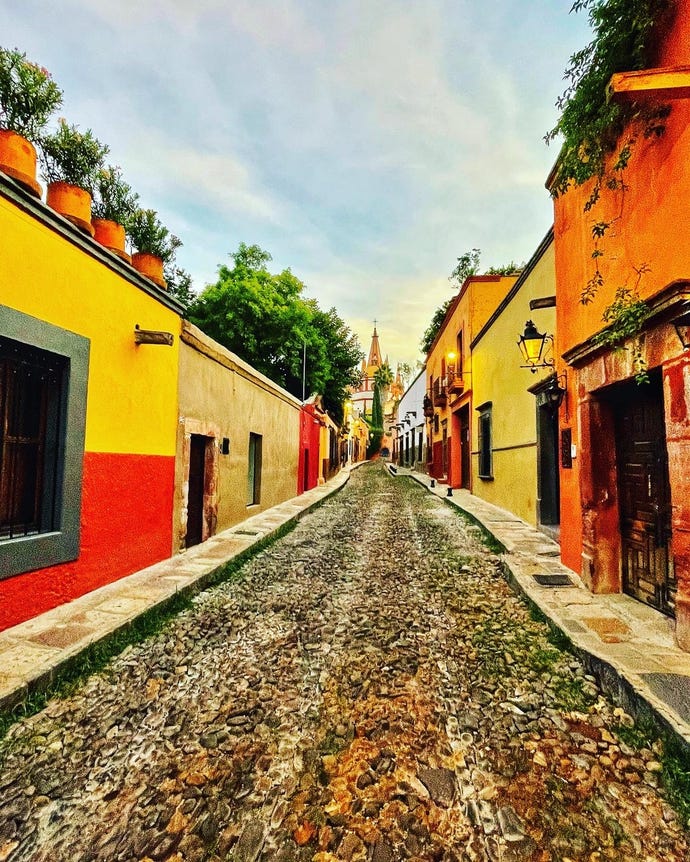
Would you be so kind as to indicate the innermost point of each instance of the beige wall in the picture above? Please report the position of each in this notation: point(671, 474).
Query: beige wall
point(221, 396)
point(498, 377)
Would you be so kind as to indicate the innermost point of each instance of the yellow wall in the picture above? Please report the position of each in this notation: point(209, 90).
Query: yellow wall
point(221, 396)
point(497, 377)
point(132, 394)
point(479, 298)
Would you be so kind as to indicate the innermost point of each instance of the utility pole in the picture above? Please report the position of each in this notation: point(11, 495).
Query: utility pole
point(304, 371)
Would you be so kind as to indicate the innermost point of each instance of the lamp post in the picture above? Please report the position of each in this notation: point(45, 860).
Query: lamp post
point(304, 371)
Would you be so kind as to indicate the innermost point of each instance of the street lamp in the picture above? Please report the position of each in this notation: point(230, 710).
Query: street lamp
point(531, 344)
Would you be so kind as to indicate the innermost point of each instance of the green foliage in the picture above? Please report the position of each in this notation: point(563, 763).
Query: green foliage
point(467, 265)
point(265, 319)
point(374, 444)
point(113, 198)
point(28, 95)
point(433, 328)
point(511, 268)
point(179, 283)
point(624, 318)
point(383, 376)
point(376, 409)
point(149, 235)
point(71, 156)
point(589, 124)
point(674, 758)
point(405, 372)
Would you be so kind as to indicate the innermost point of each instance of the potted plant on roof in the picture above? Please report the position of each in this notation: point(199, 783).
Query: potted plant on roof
point(28, 98)
point(155, 245)
point(114, 204)
point(70, 161)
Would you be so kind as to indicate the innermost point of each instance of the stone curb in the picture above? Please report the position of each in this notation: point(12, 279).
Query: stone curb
point(203, 565)
point(624, 686)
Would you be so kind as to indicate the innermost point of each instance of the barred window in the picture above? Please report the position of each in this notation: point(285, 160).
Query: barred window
point(43, 387)
point(32, 383)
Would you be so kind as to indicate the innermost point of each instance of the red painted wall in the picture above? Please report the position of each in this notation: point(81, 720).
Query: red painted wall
point(310, 428)
point(126, 525)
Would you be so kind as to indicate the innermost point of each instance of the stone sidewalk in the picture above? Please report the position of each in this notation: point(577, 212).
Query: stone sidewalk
point(628, 646)
point(32, 652)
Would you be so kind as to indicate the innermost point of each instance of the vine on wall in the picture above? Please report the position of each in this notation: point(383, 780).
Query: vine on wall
point(594, 127)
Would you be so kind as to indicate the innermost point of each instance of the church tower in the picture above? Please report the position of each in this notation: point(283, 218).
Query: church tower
point(362, 397)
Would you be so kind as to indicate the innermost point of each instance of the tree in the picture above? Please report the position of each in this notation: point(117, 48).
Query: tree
point(383, 376)
point(405, 372)
point(432, 329)
point(180, 285)
point(467, 266)
point(265, 319)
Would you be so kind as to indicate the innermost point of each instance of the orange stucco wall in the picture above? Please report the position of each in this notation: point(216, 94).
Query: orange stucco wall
point(648, 230)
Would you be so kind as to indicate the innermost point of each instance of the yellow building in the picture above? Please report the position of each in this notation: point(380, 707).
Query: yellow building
point(89, 412)
point(515, 444)
point(450, 378)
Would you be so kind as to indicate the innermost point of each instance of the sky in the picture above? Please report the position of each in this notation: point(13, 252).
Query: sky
point(366, 144)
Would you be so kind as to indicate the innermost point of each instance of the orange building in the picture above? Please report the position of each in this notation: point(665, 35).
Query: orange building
point(448, 403)
point(625, 486)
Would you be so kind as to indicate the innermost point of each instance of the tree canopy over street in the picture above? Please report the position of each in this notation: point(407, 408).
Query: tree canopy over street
point(266, 320)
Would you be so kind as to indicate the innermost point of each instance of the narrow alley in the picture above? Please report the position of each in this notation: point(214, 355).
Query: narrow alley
point(367, 688)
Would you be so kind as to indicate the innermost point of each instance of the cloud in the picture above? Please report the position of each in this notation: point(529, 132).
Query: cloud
point(365, 143)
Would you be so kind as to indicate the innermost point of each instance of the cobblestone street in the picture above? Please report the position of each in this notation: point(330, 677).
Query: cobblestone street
point(367, 688)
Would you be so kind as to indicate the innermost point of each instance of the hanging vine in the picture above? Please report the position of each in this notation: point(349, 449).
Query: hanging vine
point(593, 127)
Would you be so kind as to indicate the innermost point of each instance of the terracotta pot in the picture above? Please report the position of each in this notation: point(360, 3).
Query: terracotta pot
point(73, 203)
point(149, 266)
point(18, 160)
point(111, 235)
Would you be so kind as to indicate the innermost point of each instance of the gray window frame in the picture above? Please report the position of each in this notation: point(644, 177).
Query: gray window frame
point(484, 435)
point(23, 554)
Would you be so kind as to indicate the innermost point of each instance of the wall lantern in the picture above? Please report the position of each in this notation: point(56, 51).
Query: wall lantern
point(682, 325)
point(555, 392)
point(531, 344)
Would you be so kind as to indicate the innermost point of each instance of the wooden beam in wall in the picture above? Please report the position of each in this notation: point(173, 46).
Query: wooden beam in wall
point(664, 84)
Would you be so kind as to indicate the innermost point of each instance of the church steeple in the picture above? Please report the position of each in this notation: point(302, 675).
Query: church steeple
point(374, 350)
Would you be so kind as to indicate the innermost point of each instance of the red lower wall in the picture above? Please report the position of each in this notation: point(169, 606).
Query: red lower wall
point(310, 433)
point(126, 525)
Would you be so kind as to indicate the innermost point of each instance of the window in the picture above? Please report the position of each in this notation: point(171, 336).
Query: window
point(31, 392)
point(43, 382)
point(254, 472)
point(458, 361)
point(485, 462)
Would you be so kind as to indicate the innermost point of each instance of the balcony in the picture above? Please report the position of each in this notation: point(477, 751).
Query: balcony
point(456, 384)
point(428, 407)
point(440, 394)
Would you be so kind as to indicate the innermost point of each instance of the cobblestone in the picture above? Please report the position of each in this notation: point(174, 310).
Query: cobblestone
point(368, 688)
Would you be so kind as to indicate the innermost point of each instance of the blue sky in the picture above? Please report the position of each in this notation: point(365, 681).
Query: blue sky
point(365, 144)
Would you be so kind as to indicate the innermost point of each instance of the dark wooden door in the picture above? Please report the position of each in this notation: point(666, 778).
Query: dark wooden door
point(465, 447)
point(644, 495)
point(195, 501)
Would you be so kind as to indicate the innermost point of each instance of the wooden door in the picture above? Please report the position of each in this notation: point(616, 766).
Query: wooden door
point(644, 495)
point(195, 500)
